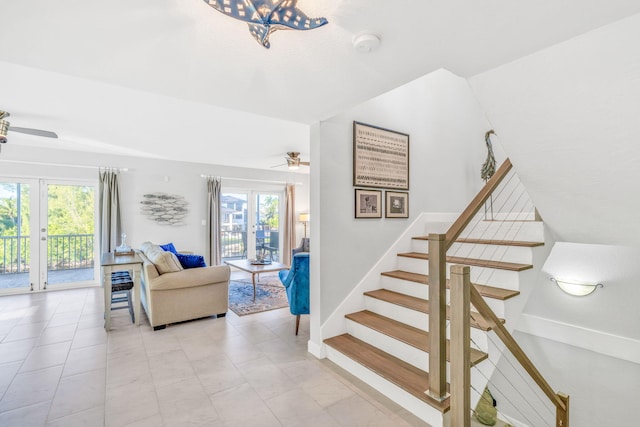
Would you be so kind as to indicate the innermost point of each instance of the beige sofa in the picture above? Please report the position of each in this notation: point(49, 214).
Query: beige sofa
point(171, 294)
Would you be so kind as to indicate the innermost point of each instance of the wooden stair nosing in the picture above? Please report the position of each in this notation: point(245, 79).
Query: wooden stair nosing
point(422, 306)
point(484, 290)
point(500, 265)
point(409, 335)
point(522, 243)
point(409, 378)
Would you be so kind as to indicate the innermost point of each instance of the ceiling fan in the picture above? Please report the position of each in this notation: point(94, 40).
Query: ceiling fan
point(5, 126)
point(293, 161)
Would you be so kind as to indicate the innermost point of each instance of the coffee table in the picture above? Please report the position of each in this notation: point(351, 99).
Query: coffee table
point(245, 265)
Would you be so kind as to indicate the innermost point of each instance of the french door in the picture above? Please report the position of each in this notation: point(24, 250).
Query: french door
point(250, 224)
point(47, 234)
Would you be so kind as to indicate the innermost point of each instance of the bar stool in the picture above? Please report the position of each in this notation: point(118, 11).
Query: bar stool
point(121, 285)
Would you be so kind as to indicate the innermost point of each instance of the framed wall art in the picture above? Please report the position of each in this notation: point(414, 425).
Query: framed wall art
point(397, 204)
point(380, 157)
point(368, 203)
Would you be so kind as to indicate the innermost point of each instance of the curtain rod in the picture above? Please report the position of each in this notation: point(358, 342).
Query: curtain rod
point(249, 179)
point(64, 165)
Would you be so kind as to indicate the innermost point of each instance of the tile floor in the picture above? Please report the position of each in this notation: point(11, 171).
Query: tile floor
point(58, 367)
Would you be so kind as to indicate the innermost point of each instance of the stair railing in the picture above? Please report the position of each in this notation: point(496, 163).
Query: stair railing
point(463, 293)
point(438, 245)
point(462, 296)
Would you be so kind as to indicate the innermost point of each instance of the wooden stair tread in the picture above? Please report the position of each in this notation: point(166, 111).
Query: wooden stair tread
point(492, 242)
point(402, 332)
point(409, 378)
point(422, 306)
point(484, 290)
point(500, 265)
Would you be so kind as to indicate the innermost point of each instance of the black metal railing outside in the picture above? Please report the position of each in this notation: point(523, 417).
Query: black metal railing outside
point(64, 252)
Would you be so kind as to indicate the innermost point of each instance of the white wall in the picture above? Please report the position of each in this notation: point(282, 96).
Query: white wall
point(148, 176)
point(568, 117)
point(603, 390)
point(447, 148)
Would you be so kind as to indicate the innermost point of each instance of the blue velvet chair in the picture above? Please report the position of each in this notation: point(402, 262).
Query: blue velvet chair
point(296, 282)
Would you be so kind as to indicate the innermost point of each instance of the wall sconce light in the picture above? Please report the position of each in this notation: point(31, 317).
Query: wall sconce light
point(304, 218)
point(575, 288)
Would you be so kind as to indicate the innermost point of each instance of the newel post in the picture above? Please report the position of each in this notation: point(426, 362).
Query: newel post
point(437, 317)
point(460, 346)
point(562, 416)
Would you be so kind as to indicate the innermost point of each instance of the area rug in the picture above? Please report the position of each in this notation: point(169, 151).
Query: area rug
point(270, 294)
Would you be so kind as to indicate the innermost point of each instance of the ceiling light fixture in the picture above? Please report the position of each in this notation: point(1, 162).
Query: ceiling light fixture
point(267, 16)
point(4, 128)
point(577, 289)
point(293, 164)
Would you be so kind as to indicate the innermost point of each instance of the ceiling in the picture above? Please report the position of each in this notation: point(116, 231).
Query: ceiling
point(136, 77)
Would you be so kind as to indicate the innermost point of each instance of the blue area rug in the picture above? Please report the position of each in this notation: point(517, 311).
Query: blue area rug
point(270, 295)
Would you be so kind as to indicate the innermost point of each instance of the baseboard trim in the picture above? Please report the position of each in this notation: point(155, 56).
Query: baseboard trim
point(589, 339)
point(318, 351)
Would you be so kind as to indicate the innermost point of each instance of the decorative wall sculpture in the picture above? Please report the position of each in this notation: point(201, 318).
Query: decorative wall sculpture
point(165, 209)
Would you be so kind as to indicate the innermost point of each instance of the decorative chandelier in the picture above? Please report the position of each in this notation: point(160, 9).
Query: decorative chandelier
point(267, 16)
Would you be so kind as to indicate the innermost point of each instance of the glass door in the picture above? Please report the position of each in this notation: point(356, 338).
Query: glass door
point(267, 225)
point(47, 235)
point(16, 204)
point(234, 224)
point(69, 233)
point(250, 224)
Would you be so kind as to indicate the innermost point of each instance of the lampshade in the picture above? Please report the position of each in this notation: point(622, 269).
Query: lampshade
point(303, 217)
point(575, 288)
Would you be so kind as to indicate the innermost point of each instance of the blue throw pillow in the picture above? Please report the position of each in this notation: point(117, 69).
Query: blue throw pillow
point(169, 248)
point(191, 261)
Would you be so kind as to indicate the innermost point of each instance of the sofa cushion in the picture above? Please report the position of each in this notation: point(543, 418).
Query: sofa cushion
point(165, 262)
point(191, 261)
point(169, 248)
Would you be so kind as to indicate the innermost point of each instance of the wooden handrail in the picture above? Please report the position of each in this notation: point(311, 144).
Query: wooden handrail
point(483, 308)
point(467, 215)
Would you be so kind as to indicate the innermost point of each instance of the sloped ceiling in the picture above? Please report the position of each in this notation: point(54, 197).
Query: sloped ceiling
point(199, 68)
point(568, 118)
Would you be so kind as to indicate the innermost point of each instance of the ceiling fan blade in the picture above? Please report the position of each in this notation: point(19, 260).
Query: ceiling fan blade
point(277, 166)
point(36, 132)
point(305, 163)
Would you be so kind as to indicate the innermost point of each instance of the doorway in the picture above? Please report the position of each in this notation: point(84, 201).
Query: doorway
point(250, 224)
point(47, 234)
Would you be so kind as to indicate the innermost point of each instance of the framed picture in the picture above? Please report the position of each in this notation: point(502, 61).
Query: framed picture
point(368, 203)
point(380, 157)
point(397, 205)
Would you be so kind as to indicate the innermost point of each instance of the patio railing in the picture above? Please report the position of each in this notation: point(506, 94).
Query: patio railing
point(234, 243)
point(64, 252)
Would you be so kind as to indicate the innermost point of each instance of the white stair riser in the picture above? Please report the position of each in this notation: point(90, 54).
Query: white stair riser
point(419, 290)
point(406, 287)
point(420, 409)
point(402, 351)
point(405, 352)
point(415, 318)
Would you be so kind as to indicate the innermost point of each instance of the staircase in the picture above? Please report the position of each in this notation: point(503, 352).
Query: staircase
point(386, 343)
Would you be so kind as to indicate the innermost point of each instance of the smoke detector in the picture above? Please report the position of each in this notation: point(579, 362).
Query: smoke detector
point(366, 43)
